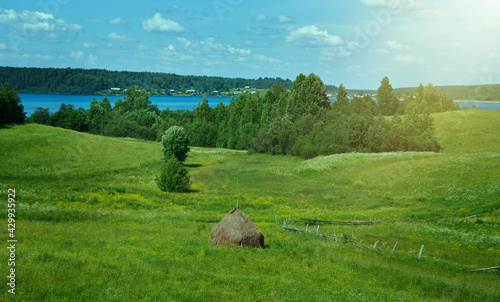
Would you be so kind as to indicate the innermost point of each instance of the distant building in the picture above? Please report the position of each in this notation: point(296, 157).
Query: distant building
point(173, 91)
point(115, 89)
point(190, 91)
point(247, 87)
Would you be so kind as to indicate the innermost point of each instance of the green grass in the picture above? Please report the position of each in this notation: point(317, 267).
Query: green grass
point(93, 226)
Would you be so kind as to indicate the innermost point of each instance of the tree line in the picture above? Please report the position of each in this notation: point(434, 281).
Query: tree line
point(489, 92)
point(300, 122)
point(92, 81)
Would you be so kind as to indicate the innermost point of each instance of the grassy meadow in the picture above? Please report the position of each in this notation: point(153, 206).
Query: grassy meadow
point(92, 225)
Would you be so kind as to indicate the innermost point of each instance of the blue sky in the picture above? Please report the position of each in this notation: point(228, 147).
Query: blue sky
point(355, 42)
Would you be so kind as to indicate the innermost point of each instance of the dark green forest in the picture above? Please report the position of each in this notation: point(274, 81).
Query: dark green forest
point(301, 122)
point(96, 81)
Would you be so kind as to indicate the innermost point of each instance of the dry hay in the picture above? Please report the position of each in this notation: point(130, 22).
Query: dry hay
point(236, 229)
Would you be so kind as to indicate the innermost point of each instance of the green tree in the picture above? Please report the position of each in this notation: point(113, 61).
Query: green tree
point(70, 118)
point(136, 99)
point(175, 143)
point(97, 114)
point(308, 96)
point(11, 109)
point(278, 138)
point(40, 116)
point(203, 111)
point(173, 176)
point(387, 101)
point(342, 102)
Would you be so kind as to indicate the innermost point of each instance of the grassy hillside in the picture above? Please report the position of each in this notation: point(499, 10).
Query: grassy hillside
point(93, 226)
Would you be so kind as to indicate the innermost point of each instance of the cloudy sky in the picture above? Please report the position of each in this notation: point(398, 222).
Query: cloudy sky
point(355, 42)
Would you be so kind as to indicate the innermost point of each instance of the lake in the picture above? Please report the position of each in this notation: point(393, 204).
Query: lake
point(31, 101)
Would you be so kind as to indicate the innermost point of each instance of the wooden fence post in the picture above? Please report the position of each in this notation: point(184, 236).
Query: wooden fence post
point(394, 248)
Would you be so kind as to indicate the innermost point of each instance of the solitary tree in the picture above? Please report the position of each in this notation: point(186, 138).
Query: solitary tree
point(11, 109)
point(175, 143)
point(173, 176)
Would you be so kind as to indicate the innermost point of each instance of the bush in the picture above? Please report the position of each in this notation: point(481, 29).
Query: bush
point(173, 176)
point(175, 142)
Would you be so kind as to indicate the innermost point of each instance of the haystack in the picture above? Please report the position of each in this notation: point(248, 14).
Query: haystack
point(236, 229)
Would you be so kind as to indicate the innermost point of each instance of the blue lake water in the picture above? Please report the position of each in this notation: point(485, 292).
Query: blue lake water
point(31, 101)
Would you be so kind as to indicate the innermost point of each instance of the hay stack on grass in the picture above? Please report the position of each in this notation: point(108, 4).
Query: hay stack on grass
point(238, 230)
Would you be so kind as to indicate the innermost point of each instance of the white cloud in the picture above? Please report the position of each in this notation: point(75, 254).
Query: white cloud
point(408, 59)
point(353, 68)
point(117, 21)
point(240, 51)
point(159, 24)
point(119, 38)
point(186, 43)
point(91, 59)
point(310, 34)
point(267, 60)
point(279, 19)
point(37, 57)
point(493, 55)
point(210, 45)
point(179, 8)
point(432, 14)
point(88, 45)
point(210, 52)
point(77, 55)
point(3, 46)
point(393, 45)
point(394, 4)
point(380, 51)
point(169, 54)
point(142, 47)
point(262, 17)
point(284, 19)
point(33, 21)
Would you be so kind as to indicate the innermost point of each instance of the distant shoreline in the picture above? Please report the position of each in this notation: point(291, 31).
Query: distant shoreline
point(476, 101)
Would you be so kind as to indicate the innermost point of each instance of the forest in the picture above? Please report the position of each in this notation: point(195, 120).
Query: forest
point(96, 81)
point(489, 92)
point(301, 122)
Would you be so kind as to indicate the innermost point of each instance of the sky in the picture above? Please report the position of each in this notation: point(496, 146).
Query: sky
point(353, 42)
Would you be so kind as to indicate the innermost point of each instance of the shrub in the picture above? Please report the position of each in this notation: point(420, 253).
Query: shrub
point(173, 176)
point(175, 142)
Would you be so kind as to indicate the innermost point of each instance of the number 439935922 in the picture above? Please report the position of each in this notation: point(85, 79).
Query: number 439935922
point(12, 212)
